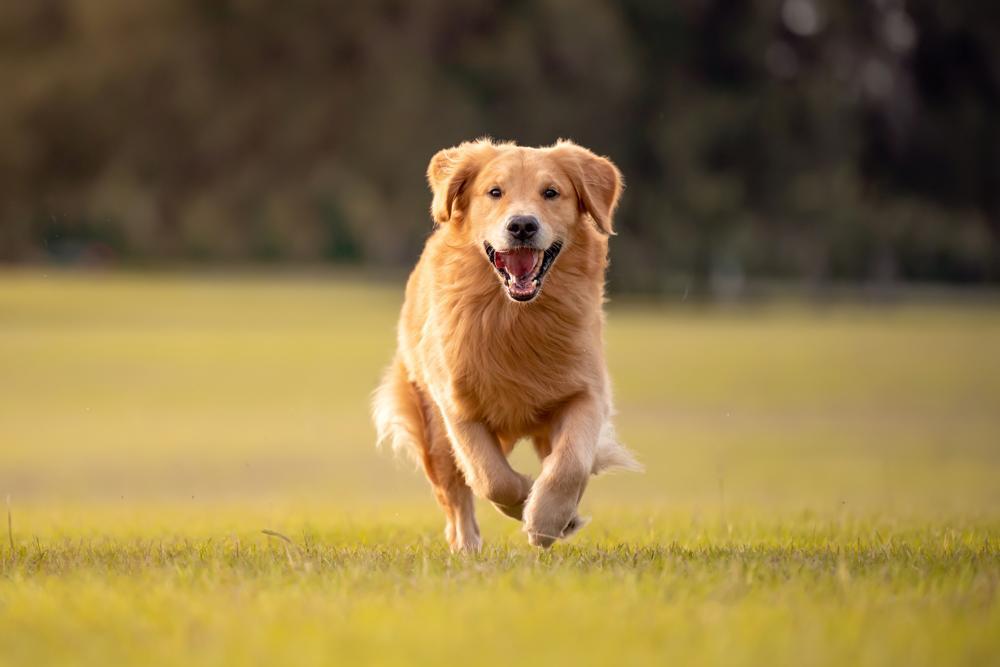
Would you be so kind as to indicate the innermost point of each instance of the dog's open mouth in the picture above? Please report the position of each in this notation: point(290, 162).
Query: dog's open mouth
point(523, 269)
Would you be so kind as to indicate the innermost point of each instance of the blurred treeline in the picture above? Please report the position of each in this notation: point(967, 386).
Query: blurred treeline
point(810, 140)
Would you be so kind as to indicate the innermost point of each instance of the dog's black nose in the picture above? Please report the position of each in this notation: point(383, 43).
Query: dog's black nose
point(522, 227)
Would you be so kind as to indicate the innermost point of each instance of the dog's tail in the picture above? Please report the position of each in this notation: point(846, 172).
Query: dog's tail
point(397, 411)
point(612, 455)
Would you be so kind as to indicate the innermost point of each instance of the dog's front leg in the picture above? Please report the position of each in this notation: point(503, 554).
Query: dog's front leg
point(486, 469)
point(551, 510)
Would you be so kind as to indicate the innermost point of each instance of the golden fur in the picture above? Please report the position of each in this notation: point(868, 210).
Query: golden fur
point(475, 371)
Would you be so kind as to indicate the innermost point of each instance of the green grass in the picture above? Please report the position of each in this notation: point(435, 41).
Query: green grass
point(821, 488)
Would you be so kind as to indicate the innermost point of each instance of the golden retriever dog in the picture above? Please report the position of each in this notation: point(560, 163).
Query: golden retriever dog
point(501, 336)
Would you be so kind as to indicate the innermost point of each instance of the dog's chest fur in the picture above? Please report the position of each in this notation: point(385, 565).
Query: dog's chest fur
point(508, 365)
point(513, 364)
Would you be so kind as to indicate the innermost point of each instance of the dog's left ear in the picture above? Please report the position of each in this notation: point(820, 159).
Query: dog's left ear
point(596, 179)
point(450, 172)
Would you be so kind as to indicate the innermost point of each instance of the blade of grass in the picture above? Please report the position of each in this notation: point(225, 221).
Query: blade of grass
point(10, 527)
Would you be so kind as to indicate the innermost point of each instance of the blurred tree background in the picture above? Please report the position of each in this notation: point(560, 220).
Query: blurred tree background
point(793, 140)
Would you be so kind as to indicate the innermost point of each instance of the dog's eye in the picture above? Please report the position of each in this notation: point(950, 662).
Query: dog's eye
point(496, 193)
point(550, 193)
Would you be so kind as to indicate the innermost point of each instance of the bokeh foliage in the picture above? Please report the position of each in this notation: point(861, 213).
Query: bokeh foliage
point(792, 139)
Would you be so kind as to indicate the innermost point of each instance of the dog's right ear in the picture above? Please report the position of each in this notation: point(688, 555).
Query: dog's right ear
point(596, 179)
point(450, 172)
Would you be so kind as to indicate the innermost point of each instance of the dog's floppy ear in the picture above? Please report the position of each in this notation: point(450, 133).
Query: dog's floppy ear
point(451, 170)
point(596, 179)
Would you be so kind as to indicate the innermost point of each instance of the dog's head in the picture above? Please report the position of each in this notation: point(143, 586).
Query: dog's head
point(523, 206)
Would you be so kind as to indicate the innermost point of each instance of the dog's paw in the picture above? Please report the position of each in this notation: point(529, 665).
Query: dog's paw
point(466, 544)
point(575, 525)
point(463, 537)
point(470, 546)
point(514, 501)
point(540, 541)
point(513, 511)
point(548, 519)
point(545, 540)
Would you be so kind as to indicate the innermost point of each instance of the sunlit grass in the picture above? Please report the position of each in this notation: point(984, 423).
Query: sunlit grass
point(821, 488)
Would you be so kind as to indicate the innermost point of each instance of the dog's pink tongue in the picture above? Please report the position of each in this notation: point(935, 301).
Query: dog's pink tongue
point(518, 262)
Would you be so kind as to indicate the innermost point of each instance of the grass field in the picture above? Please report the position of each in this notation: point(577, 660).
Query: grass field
point(822, 488)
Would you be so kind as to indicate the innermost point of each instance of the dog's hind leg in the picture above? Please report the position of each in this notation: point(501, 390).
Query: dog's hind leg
point(450, 488)
point(413, 426)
